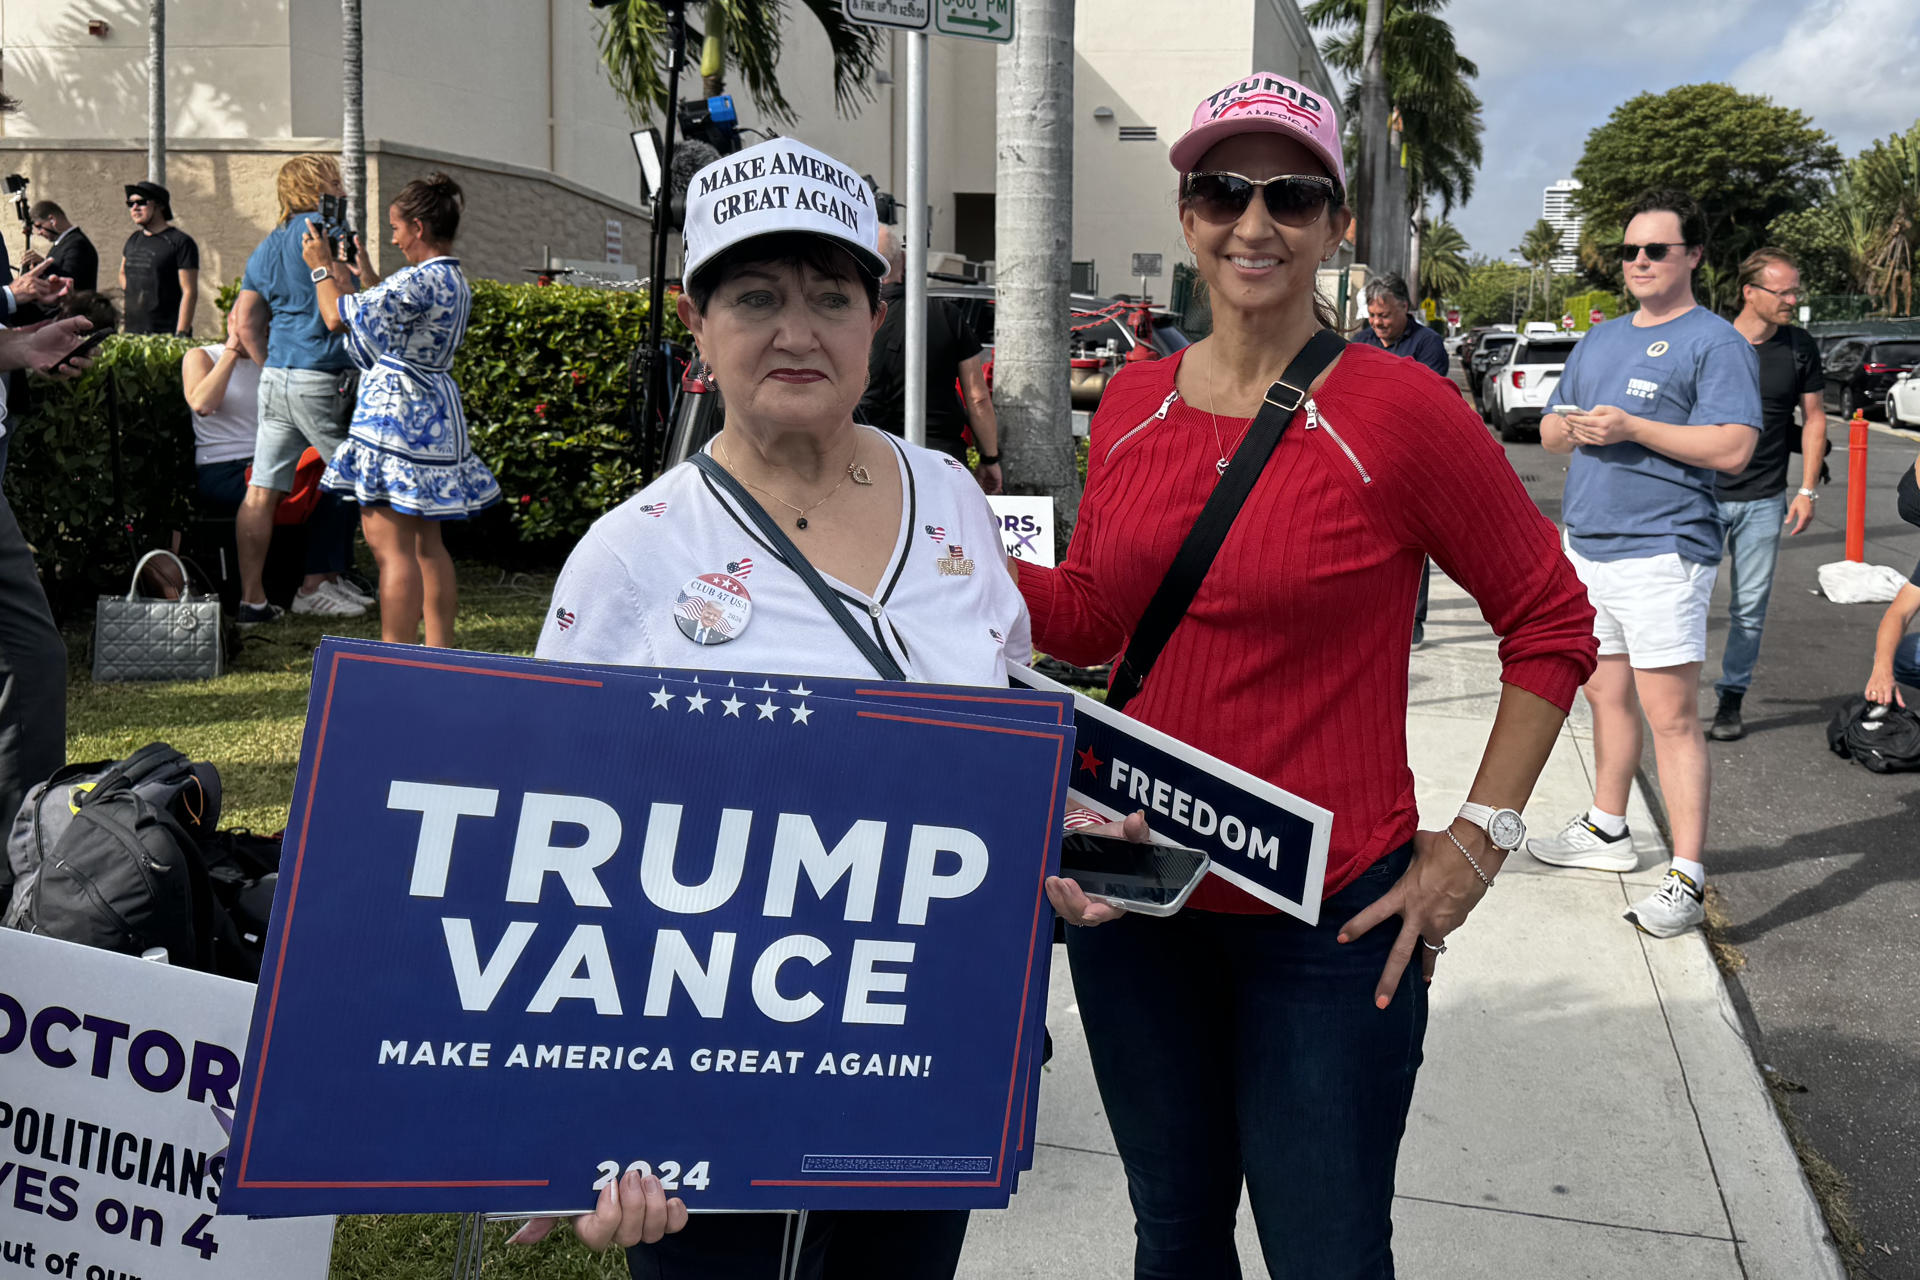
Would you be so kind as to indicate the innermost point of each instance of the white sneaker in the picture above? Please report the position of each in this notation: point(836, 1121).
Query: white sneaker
point(1581, 844)
point(1675, 907)
point(347, 591)
point(326, 604)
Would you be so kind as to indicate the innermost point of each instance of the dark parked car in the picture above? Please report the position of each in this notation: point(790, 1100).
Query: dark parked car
point(1489, 352)
point(1859, 371)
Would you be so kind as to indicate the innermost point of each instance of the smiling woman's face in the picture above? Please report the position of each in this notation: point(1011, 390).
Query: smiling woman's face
point(788, 343)
point(1256, 263)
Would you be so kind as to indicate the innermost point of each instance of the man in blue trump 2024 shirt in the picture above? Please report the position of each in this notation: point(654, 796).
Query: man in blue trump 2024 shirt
point(1653, 407)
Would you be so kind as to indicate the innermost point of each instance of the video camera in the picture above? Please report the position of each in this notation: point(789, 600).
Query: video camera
point(334, 225)
point(17, 188)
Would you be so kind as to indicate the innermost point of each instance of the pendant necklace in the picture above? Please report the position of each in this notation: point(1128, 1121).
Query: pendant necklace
point(1220, 465)
point(854, 472)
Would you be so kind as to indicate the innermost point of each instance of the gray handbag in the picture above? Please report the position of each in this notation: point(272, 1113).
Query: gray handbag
point(135, 638)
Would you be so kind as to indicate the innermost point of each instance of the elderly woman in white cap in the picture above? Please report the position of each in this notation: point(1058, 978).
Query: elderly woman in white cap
point(710, 566)
point(1233, 1044)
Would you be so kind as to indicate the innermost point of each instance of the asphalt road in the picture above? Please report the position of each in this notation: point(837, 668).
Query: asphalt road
point(1818, 863)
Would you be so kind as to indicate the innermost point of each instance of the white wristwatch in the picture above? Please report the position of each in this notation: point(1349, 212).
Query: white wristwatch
point(318, 274)
point(1503, 826)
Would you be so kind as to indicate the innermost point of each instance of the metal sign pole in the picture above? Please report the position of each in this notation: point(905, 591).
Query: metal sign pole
point(916, 235)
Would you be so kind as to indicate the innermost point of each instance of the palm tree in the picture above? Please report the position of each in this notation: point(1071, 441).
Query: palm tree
point(353, 132)
point(1886, 183)
point(1033, 233)
point(1537, 248)
point(1429, 83)
point(156, 92)
point(747, 33)
point(1443, 260)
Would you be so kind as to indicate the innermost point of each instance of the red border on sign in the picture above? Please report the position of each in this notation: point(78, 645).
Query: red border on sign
point(293, 898)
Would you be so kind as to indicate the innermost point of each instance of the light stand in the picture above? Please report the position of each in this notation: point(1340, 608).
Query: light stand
point(653, 363)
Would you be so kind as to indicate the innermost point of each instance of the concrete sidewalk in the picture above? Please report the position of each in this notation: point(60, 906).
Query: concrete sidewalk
point(1588, 1107)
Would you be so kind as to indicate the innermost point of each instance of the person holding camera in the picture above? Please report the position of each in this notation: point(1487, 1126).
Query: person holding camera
point(159, 266)
point(407, 459)
point(307, 385)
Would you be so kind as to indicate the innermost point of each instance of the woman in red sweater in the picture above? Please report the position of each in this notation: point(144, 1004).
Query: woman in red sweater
point(1230, 1041)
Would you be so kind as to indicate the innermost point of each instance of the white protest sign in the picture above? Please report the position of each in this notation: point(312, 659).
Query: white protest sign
point(1026, 527)
point(117, 1080)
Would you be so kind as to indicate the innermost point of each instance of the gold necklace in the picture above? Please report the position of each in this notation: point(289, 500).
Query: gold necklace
point(1220, 465)
point(854, 472)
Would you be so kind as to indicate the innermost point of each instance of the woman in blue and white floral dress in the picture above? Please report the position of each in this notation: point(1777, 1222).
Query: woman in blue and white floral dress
point(407, 459)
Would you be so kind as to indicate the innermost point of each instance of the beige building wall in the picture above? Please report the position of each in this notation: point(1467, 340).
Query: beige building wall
point(509, 96)
point(223, 196)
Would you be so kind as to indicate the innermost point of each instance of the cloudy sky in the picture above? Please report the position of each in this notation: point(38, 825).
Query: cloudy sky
point(1551, 70)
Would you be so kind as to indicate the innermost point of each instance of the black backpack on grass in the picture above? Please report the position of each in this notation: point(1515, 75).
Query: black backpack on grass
point(108, 854)
point(1883, 738)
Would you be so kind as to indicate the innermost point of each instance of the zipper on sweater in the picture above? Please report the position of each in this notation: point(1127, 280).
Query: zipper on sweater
point(1159, 415)
point(1316, 423)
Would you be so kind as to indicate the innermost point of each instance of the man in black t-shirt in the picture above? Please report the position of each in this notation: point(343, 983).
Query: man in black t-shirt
point(954, 354)
point(160, 266)
point(1753, 505)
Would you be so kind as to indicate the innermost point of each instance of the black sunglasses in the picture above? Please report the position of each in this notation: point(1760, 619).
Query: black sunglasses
point(1293, 199)
point(1656, 252)
point(136, 202)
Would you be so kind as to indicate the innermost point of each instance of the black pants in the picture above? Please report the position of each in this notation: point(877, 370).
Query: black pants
point(1230, 1046)
point(33, 675)
point(839, 1246)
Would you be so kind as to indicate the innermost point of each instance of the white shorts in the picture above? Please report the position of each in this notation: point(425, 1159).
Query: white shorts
point(1651, 608)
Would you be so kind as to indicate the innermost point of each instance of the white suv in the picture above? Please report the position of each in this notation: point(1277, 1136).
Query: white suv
point(1521, 387)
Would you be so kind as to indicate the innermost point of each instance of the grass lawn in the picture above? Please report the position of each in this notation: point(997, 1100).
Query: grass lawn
point(248, 723)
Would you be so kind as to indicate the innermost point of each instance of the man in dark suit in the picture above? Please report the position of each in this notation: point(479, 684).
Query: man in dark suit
point(73, 255)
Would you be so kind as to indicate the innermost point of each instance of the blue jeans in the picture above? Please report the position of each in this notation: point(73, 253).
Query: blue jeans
point(1231, 1046)
point(1906, 661)
point(1752, 531)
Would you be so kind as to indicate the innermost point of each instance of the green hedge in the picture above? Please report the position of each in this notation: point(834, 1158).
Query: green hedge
point(85, 515)
point(542, 373)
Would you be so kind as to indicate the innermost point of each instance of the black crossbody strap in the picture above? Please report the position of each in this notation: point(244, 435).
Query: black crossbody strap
point(792, 557)
point(1195, 557)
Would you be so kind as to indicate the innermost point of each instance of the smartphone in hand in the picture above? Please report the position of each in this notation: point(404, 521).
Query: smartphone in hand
point(88, 343)
point(1153, 879)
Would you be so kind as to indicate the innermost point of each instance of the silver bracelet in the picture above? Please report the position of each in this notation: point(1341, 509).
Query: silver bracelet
point(1469, 857)
point(1809, 495)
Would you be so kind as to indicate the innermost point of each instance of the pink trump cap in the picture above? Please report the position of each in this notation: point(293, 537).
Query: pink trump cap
point(1264, 103)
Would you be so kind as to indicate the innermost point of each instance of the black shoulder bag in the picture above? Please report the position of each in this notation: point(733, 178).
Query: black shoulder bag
point(1195, 557)
point(794, 559)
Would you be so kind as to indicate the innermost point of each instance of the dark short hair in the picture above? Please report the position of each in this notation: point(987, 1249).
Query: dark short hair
point(1759, 260)
point(45, 209)
point(1693, 223)
point(95, 306)
point(801, 250)
point(435, 202)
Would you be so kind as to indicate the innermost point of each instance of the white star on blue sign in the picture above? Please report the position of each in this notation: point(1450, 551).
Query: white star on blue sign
point(698, 702)
point(661, 697)
point(800, 713)
point(767, 709)
point(733, 706)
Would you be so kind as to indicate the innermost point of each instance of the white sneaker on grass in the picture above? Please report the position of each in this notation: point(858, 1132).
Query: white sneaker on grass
point(341, 589)
point(1675, 907)
point(326, 604)
point(1581, 844)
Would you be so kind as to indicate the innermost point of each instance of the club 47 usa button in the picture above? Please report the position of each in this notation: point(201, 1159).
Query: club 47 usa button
point(714, 608)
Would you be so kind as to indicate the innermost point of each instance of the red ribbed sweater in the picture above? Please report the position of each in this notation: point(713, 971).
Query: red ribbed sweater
point(1292, 661)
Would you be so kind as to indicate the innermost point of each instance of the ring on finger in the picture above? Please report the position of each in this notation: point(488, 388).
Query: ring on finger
point(1436, 947)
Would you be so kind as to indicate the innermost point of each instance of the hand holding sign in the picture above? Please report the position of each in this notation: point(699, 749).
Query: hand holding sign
point(634, 1210)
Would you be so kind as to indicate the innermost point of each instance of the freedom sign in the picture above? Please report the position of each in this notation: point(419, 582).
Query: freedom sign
point(784, 940)
point(117, 1086)
point(1261, 838)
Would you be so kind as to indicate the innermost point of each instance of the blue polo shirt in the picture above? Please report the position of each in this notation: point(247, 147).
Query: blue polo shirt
point(1624, 501)
point(297, 338)
point(1418, 343)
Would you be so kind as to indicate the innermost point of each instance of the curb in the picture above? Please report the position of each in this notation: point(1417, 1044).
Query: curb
point(1778, 1228)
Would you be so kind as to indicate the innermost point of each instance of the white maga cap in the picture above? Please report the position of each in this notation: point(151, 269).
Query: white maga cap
point(781, 185)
